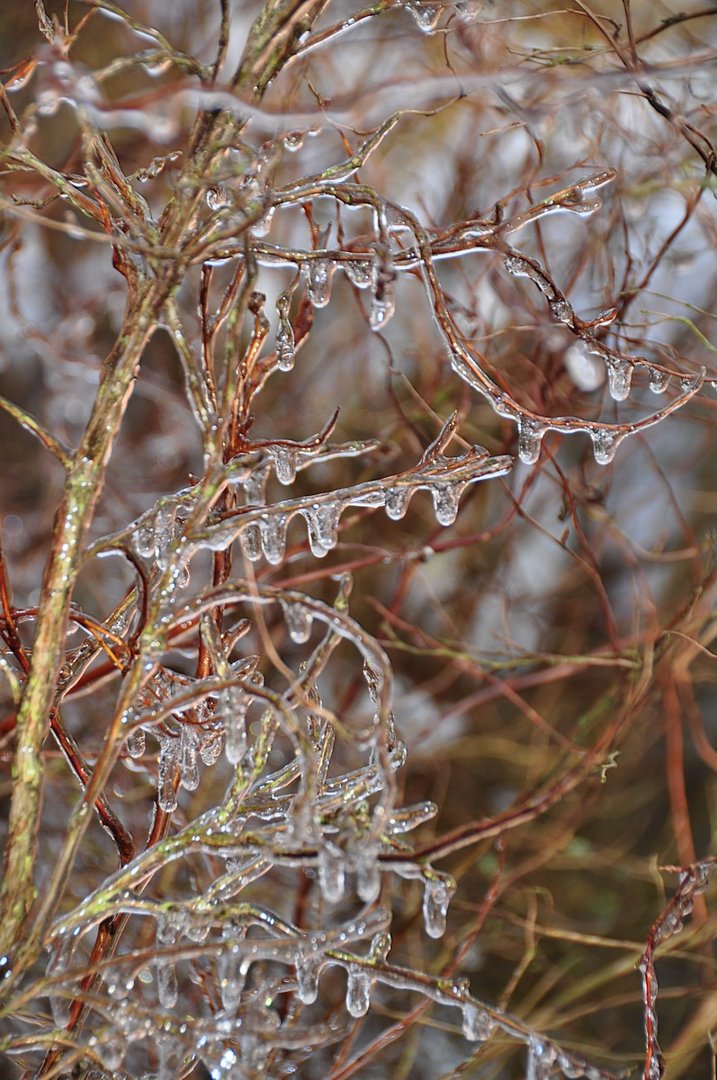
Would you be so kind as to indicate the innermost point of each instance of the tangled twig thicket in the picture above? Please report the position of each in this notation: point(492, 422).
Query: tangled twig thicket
point(262, 315)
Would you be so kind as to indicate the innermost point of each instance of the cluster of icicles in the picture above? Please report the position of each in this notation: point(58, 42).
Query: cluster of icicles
point(345, 829)
point(376, 270)
point(285, 808)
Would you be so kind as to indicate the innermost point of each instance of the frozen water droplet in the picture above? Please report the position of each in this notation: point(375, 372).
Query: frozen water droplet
point(273, 537)
point(446, 499)
point(562, 311)
point(250, 538)
point(189, 768)
point(308, 966)
point(358, 991)
point(166, 983)
point(168, 761)
point(619, 376)
point(293, 141)
point(437, 892)
point(144, 539)
point(318, 274)
point(332, 872)
point(359, 273)
point(478, 1025)
point(426, 15)
point(572, 1070)
point(530, 438)
point(181, 572)
point(516, 266)
point(605, 444)
point(136, 742)
point(541, 1056)
point(659, 380)
point(285, 460)
point(322, 523)
point(298, 621)
point(217, 198)
point(397, 502)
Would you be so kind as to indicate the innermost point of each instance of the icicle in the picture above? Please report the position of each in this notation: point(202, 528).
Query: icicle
point(169, 1058)
point(168, 759)
point(211, 746)
point(285, 346)
point(478, 1025)
point(298, 621)
point(164, 527)
point(273, 537)
point(318, 274)
point(530, 438)
point(254, 487)
point(426, 15)
point(397, 502)
point(619, 378)
point(285, 460)
point(322, 522)
point(136, 743)
point(60, 1009)
point(263, 226)
point(231, 971)
point(368, 875)
point(189, 767)
point(332, 872)
point(659, 380)
point(144, 539)
point(234, 704)
point(114, 1048)
point(438, 889)
point(250, 538)
point(359, 273)
point(308, 967)
point(380, 947)
point(446, 499)
point(358, 991)
point(383, 278)
point(605, 444)
point(166, 983)
point(285, 343)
